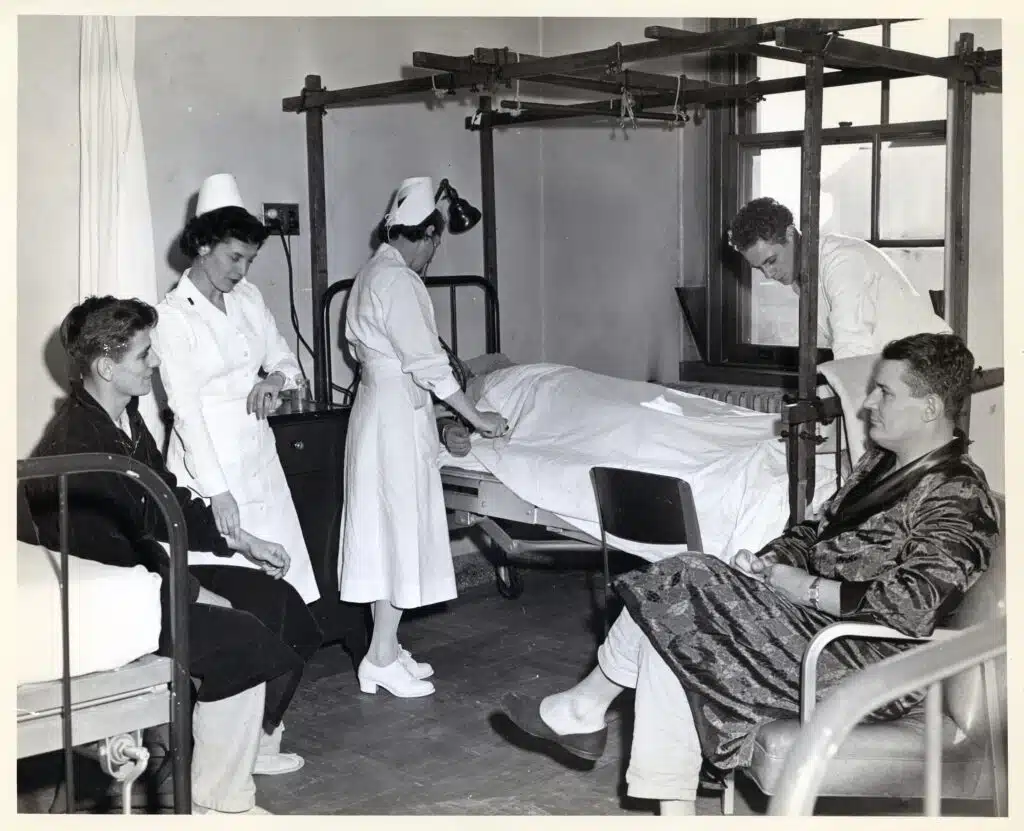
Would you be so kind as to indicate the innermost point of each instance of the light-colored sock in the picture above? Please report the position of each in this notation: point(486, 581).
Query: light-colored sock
point(678, 808)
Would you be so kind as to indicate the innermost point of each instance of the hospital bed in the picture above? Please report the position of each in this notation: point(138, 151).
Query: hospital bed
point(88, 680)
point(519, 530)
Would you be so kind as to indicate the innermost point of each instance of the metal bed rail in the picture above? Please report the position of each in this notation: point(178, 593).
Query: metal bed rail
point(864, 692)
point(492, 327)
point(67, 465)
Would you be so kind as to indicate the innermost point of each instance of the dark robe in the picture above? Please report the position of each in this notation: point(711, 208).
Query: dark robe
point(906, 546)
point(266, 637)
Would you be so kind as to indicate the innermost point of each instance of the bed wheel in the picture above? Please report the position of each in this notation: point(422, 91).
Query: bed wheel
point(509, 582)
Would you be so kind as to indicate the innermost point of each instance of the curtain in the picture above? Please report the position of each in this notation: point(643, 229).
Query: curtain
point(115, 224)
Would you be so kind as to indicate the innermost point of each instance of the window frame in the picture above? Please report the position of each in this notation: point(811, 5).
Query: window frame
point(731, 135)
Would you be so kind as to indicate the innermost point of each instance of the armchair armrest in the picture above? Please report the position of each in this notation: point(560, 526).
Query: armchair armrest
point(833, 632)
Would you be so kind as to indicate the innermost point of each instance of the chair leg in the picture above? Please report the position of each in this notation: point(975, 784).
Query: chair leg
point(729, 795)
point(607, 593)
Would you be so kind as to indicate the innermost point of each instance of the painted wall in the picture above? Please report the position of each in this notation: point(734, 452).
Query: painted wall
point(985, 300)
point(612, 220)
point(210, 94)
point(47, 212)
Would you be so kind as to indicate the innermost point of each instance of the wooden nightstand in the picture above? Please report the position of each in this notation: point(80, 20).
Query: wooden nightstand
point(311, 446)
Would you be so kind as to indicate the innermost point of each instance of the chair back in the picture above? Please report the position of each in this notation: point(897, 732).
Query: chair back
point(964, 694)
point(646, 508)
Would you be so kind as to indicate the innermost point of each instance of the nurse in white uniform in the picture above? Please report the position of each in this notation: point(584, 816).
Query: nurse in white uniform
point(395, 551)
point(214, 336)
point(864, 299)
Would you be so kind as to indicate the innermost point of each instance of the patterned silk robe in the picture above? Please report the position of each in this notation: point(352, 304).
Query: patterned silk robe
point(905, 545)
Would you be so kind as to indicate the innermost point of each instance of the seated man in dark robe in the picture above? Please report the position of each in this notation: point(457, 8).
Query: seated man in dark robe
point(713, 649)
point(250, 634)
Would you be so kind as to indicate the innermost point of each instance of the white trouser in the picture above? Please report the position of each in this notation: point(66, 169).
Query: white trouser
point(227, 736)
point(665, 758)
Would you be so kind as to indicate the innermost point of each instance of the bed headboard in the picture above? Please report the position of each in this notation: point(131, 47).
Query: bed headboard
point(492, 325)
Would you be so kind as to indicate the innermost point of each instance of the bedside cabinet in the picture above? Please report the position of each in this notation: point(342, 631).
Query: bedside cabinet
point(311, 447)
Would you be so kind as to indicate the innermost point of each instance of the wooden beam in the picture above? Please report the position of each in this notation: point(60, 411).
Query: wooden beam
point(810, 197)
point(331, 99)
point(318, 275)
point(882, 56)
point(731, 39)
point(604, 110)
point(774, 53)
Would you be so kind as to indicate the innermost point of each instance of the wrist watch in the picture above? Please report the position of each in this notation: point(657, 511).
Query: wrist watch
point(812, 593)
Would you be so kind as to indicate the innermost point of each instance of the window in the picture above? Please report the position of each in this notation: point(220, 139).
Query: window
point(883, 179)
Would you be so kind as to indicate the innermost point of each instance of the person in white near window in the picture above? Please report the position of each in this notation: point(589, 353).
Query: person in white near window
point(864, 299)
point(215, 335)
point(394, 551)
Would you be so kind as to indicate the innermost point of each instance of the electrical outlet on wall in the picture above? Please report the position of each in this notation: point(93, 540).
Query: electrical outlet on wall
point(281, 217)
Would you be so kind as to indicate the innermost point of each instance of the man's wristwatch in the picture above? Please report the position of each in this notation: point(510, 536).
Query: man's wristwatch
point(813, 596)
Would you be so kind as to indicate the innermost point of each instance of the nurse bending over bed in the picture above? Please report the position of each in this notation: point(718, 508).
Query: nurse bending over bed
point(395, 552)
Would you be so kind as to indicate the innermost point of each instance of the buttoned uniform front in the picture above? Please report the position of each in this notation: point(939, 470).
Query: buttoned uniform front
point(209, 362)
point(394, 541)
point(865, 300)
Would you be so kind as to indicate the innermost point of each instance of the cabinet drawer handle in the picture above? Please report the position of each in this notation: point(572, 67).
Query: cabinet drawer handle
point(298, 444)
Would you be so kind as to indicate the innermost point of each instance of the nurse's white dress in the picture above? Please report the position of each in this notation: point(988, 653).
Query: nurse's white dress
point(209, 362)
point(394, 537)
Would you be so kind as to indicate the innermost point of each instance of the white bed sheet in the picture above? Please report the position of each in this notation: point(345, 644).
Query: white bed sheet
point(566, 420)
point(114, 615)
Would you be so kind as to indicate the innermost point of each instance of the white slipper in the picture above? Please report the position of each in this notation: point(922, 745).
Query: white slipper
point(277, 763)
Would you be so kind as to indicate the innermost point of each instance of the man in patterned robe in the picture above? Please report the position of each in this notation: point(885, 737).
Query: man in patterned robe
point(713, 649)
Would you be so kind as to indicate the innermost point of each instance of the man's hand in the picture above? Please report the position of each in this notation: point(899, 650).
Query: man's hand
point(753, 566)
point(789, 581)
point(269, 556)
point(456, 437)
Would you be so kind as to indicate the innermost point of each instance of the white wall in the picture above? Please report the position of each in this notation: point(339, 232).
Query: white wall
point(612, 245)
point(47, 212)
point(985, 259)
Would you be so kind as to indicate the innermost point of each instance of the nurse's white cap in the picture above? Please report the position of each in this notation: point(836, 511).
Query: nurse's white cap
point(414, 202)
point(218, 191)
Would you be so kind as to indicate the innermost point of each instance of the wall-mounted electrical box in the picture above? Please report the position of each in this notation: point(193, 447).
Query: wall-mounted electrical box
point(281, 217)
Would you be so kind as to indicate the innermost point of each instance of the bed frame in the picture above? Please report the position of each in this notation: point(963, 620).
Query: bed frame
point(811, 42)
point(103, 714)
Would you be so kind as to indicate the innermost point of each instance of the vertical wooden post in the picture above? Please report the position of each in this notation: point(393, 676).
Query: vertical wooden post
point(802, 436)
point(317, 238)
point(487, 192)
point(958, 209)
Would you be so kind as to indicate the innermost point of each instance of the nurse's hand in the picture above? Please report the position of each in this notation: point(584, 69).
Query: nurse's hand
point(492, 425)
point(269, 556)
point(225, 513)
point(265, 396)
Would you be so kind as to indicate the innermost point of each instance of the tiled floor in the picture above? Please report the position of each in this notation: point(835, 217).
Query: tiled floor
point(452, 753)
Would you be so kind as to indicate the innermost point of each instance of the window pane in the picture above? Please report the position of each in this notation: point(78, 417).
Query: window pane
point(858, 104)
point(912, 202)
point(845, 208)
point(923, 266)
point(923, 98)
point(845, 184)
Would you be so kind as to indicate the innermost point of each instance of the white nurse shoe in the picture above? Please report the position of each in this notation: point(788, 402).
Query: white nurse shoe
point(395, 678)
point(417, 669)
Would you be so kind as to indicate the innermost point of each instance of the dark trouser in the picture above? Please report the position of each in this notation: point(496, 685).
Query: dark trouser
point(267, 635)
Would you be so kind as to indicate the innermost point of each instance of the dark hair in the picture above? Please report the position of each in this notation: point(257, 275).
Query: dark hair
point(221, 225)
point(413, 233)
point(939, 365)
point(103, 326)
point(760, 219)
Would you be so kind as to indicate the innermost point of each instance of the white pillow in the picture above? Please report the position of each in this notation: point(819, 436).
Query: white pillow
point(849, 379)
